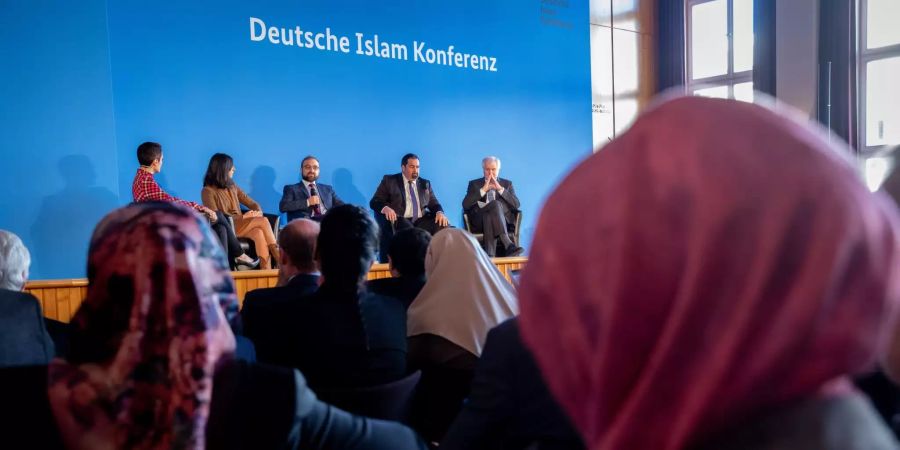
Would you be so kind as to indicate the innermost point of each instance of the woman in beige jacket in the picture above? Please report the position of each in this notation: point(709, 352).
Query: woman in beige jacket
point(220, 193)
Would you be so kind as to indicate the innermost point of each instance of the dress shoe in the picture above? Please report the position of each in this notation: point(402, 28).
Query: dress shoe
point(514, 250)
point(246, 265)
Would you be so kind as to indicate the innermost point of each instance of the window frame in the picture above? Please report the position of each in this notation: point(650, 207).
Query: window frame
point(730, 78)
point(866, 56)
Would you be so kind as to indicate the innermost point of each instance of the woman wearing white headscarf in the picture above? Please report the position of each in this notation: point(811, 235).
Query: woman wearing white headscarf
point(465, 296)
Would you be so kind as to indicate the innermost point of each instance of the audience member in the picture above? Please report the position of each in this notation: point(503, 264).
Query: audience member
point(406, 259)
point(341, 336)
point(308, 199)
point(491, 204)
point(734, 279)
point(509, 406)
point(221, 194)
point(151, 363)
point(264, 314)
point(464, 296)
point(24, 339)
point(145, 189)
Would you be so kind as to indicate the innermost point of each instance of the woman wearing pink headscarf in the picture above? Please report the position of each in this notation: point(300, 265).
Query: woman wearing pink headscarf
point(731, 276)
point(151, 362)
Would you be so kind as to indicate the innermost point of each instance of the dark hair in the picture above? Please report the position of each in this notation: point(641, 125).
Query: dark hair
point(408, 157)
point(348, 241)
point(308, 157)
point(217, 171)
point(407, 251)
point(148, 152)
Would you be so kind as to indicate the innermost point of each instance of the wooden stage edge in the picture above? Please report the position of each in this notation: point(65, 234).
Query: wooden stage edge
point(61, 298)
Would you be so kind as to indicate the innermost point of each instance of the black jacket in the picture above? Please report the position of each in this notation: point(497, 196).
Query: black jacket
point(264, 316)
point(254, 406)
point(509, 198)
point(23, 337)
point(391, 192)
point(343, 338)
point(402, 288)
point(509, 406)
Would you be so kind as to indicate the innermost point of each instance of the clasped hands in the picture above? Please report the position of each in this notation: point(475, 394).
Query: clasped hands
point(492, 184)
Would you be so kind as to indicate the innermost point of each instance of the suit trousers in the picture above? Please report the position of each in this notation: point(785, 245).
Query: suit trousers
point(492, 221)
point(226, 236)
point(425, 222)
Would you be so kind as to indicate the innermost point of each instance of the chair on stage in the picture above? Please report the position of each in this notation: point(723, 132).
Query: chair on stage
point(247, 244)
point(390, 401)
point(513, 235)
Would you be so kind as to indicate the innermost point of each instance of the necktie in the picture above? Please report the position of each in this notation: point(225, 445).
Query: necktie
point(316, 210)
point(492, 195)
point(415, 201)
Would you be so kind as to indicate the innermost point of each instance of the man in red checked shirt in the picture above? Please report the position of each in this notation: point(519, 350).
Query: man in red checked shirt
point(145, 189)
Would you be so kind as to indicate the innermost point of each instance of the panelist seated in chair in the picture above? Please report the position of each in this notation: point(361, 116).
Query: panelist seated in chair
point(308, 199)
point(406, 200)
point(491, 204)
point(221, 193)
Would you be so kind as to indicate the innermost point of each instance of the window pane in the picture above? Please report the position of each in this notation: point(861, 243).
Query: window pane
point(882, 23)
point(882, 98)
point(625, 14)
point(626, 112)
point(601, 13)
point(743, 35)
point(715, 92)
point(744, 92)
point(625, 55)
point(709, 40)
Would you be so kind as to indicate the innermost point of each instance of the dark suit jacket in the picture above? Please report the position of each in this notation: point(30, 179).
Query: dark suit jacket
point(264, 316)
point(254, 406)
point(340, 338)
point(402, 288)
point(23, 337)
point(293, 200)
point(509, 406)
point(473, 196)
point(391, 192)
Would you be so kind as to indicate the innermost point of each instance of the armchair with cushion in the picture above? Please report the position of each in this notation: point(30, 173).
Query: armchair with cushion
point(513, 235)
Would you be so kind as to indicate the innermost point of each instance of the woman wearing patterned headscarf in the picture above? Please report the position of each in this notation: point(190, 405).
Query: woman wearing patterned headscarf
point(732, 275)
point(151, 357)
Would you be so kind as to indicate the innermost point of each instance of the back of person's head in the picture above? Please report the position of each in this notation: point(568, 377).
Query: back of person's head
point(717, 255)
point(148, 152)
point(347, 245)
point(298, 242)
point(407, 251)
point(217, 172)
point(14, 262)
point(153, 329)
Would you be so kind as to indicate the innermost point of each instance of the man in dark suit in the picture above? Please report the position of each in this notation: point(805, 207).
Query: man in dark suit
point(491, 204)
point(342, 336)
point(24, 339)
point(509, 405)
point(308, 199)
point(263, 313)
point(406, 259)
point(404, 200)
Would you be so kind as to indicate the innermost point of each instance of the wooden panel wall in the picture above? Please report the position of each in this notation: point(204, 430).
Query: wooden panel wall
point(61, 298)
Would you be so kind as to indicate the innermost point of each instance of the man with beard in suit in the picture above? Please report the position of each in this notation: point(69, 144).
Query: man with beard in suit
point(308, 199)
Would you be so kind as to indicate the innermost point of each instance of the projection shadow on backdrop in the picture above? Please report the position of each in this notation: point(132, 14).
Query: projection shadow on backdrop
point(68, 217)
point(347, 190)
point(263, 190)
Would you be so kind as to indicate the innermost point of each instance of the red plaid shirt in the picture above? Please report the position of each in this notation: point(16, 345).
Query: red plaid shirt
point(145, 189)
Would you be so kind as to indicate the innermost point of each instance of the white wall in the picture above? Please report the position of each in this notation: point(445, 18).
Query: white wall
point(796, 53)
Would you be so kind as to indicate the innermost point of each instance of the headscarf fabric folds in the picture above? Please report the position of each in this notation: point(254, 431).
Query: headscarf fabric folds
point(465, 295)
point(147, 339)
point(715, 262)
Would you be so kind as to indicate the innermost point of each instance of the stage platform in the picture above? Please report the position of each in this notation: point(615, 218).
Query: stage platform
point(61, 298)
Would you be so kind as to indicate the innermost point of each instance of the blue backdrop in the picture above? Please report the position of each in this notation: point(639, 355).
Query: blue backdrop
point(85, 84)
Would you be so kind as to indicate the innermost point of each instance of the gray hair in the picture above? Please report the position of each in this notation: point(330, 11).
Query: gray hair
point(14, 262)
point(488, 159)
